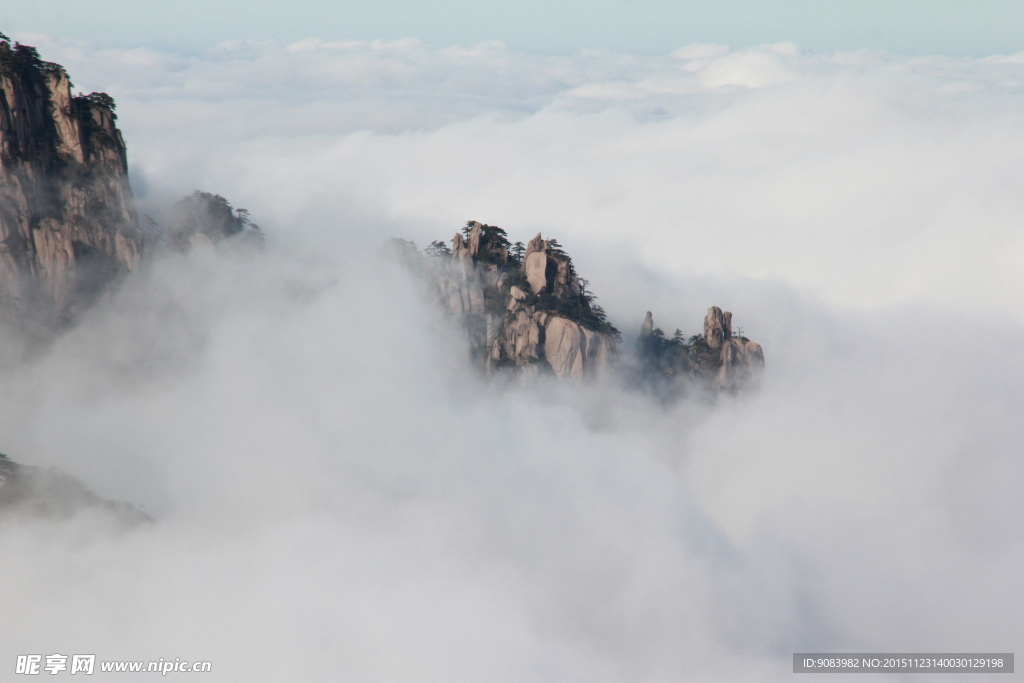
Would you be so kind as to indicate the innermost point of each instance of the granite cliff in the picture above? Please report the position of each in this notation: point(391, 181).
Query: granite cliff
point(67, 222)
point(68, 230)
point(68, 225)
point(524, 307)
point(526, 311)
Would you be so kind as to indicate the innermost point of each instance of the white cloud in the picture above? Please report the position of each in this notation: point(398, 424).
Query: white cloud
point(751, 69)
point(701, 51)
point(341, 499)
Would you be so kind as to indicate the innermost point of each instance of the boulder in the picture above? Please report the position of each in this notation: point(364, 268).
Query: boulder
point(717, 327)
point(563, 341)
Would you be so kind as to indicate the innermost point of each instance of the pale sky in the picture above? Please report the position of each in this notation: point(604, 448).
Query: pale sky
point(951, 27)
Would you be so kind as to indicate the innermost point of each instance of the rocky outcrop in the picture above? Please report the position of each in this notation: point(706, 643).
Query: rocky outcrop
point(716, 360)
point(524, 310)
point(38, 492)
point(717, 327)
point(536, 265)
point(741, 364)
point(740, 360)
point(68, 226)
point(204, 220)
point(67, 222)
point(647, 328)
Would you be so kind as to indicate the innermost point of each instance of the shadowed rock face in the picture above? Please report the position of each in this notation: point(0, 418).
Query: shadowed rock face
point(203, 220)
point(717, 361)
point(67, 222)
point(51, 494)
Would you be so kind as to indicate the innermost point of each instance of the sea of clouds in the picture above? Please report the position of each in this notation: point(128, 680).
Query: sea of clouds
point(339, 497)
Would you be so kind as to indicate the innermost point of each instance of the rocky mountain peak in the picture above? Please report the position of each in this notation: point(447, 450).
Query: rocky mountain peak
point(717, 327)
point(68, 226)
point(67, 221)
point(525, 310)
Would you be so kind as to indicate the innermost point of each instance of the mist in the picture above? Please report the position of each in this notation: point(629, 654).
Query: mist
point(338, 495)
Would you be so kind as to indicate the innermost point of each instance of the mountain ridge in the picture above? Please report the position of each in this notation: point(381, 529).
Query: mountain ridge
point(526, 311)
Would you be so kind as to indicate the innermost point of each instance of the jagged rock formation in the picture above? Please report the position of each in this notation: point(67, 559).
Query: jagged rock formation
point(68, 225)
point(525, 311)
point(52, 494)
point(718, 360)
point(739, 359)
point(67, 221)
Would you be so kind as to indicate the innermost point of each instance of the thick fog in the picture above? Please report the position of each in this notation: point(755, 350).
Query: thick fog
point(340, 497)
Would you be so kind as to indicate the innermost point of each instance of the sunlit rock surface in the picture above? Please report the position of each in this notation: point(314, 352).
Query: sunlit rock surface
point(526, 311)
point(67, 221)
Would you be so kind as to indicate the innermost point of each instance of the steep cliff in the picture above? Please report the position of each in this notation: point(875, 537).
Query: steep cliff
point(67, 222)
point(524, 308)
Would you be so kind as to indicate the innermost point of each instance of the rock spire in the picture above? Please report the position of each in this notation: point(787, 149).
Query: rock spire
point(524, 310)
point(716, 360)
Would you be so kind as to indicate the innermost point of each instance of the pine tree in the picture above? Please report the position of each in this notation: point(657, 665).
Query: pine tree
point(437, 249)
point(516, 254)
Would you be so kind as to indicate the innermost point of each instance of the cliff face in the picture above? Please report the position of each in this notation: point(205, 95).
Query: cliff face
point(524, 308)
point(67, 223)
